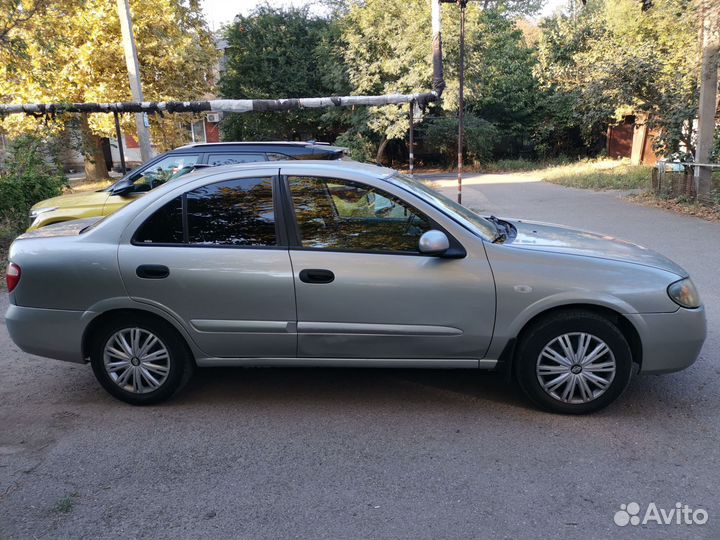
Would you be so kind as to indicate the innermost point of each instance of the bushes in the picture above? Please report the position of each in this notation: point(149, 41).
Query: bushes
point(26, 177)
point(480, 137)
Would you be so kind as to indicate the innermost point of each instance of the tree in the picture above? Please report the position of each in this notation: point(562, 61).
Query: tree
point(81, 60)
point(281, 53)
point(15, 14)
point(621, 57)
point(386, 50)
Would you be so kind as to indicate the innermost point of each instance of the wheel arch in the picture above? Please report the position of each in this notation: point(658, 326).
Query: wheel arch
point(626, 327)
point(125, 312)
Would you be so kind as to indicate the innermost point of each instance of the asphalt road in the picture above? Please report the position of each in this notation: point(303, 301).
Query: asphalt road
point(322, 453)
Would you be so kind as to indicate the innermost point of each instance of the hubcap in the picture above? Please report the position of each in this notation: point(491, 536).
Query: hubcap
point(136, 360)
point(576, 367)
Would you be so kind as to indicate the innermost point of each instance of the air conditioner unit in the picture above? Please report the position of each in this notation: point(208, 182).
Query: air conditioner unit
point(213, 117)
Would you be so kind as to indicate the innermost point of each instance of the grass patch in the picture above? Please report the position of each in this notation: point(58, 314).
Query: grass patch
point(65, 504)
point(521, 165)
point(588, 173)
point(682, 205)
point(599, 174)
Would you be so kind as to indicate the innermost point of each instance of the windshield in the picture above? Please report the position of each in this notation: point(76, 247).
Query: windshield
point(461, 214)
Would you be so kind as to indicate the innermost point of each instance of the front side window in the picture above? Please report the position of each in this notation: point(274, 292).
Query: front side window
point(164, 170)
point(345, 215)
point(234, 212)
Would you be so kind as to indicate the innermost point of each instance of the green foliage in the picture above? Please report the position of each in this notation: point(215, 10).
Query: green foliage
point(480, 138)
point(281, 53)
point(615, 58)
point(359, 143)
point(386, 50)
point(27, 177)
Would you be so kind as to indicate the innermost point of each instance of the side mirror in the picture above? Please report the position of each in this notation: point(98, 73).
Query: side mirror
point(123, 187)
point(434, 243)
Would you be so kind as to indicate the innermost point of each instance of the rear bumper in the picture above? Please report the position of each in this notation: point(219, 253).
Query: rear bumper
point(670, 341)
point(53, 333)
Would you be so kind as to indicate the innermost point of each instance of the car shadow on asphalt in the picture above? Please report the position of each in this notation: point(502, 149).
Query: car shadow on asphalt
point(348, 385)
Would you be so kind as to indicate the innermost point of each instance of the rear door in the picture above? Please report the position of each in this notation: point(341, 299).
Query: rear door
point(363, 289)
point(214, 258)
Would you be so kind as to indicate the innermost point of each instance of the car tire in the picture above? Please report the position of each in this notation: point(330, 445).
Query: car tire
point(140, 360)
point(573, 362)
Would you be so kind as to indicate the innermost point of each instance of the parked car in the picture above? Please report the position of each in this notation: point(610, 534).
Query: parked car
point(169, 166)
point(345, 264)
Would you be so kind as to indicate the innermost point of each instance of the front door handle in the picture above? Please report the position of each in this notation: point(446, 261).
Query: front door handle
point(312, 275)
point(152, 271)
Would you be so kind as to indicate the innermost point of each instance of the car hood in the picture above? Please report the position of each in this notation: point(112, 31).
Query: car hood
point(66, 228)
point(74, 200)
point(558, 239)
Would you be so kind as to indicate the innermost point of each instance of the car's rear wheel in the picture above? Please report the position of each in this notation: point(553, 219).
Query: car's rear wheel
point(573, 362)
point(140, 360)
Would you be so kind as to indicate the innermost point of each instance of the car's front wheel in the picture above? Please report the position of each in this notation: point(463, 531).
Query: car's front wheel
point(140, 360)
point(573, 362)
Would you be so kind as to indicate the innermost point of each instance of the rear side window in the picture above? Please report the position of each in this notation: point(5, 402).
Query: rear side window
point(276, 156)
point(235, 213)
point(230, 213)
point(164, 226)
point(230, 159)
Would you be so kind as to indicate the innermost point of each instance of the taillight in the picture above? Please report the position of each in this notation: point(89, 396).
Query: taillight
point(13, 276)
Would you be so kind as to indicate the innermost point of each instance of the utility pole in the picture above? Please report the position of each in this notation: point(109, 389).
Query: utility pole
point(710, 21)
point(461, 99)
point(133, 67)
point(462, 4)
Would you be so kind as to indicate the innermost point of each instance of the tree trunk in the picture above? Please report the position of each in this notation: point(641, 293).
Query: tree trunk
point(381, 151)
point(95, 166)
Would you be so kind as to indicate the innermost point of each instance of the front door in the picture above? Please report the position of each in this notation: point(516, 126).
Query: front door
point(212, 258)
point(363, 289)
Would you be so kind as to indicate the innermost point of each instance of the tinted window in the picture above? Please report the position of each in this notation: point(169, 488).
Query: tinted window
point(164, 226)
point(236, 212)
point(276, 156)
point(338, 214)
point(229, 159)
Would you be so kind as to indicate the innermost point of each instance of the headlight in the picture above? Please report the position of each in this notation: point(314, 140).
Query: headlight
point(35, 213)
point(684, 293)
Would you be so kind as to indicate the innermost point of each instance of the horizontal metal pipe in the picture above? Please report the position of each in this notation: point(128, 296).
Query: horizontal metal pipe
point(219, 105)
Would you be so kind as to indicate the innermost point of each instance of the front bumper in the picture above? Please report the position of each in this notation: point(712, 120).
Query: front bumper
point(53, 333)
point(670, 341)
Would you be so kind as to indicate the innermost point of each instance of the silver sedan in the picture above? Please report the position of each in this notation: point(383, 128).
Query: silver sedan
point(342, 264)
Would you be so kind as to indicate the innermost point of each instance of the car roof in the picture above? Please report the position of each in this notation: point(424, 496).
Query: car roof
point(328, 167)
point(265, 145)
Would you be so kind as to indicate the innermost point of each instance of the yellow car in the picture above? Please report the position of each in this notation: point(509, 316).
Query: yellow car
point(166, 167)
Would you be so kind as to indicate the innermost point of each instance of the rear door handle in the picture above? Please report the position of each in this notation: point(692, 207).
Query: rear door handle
point(312, 275)
point(152, 271)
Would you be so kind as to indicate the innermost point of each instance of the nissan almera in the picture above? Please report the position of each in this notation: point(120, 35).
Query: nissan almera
point(343, 264)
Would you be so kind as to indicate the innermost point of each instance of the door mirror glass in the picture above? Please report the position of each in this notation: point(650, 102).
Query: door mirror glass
point(123, 187)
point(433, 243)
